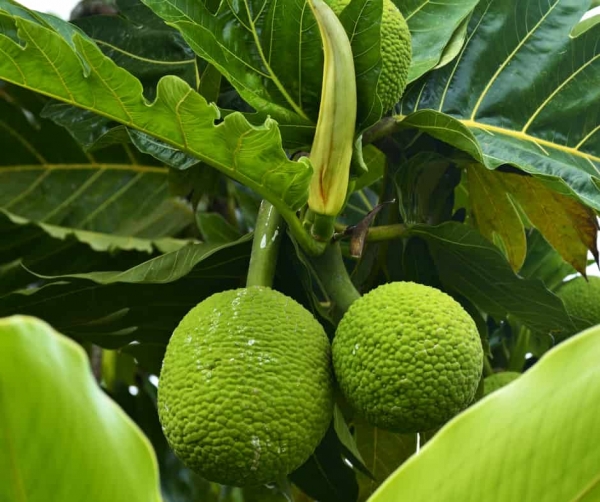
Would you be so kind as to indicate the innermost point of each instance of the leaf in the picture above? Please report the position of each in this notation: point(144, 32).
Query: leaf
point(216, 229)
point(144, 303)
point(569, 227)
point(325, 476)
point(416, 181)
point(144, 45)
point(163, 269)
point(455, 44)
point(272, 56)
point(469, 264)
point(536, 425)
point(588, 21)
point(519, 94)
point(58, 404)
point(383, 452)
point(108, 192)
point(362, 21)
point(495, 215)
point(140, 41)
point(432, 26)
point(375, 161)
point(348, 442)
point(75, 71)
point(544, 263)
point(54, 251)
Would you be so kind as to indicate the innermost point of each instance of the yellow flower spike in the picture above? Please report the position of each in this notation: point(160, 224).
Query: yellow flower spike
point(331, 151)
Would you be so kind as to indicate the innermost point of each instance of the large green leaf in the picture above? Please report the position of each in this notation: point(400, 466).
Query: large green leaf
point(64, 64)
point(144, 303)
point(383, 452)
point(543, 262)
point(469, 264)
point(111, 198)
point(57, 251)
point(143, 44)
point(432, 26)
point(535, 439)
point(325, 476)
point(519, 93)
point(63, 438)
point(269, 51)
point(362, 21)
point(61, 208)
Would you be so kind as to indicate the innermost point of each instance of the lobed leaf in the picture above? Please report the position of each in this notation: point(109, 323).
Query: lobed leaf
point(519, 93)
point(272, 57)
point(72, 69)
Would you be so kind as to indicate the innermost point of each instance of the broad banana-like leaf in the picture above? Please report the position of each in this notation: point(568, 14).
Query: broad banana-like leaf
point(63, 437)
point(519, 93)
point(535, 439)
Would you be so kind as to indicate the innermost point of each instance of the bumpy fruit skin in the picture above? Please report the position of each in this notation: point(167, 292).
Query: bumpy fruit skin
point(582, 301)
point(396, 50)
point(407, 357)
point(245, 393)
point(498, 380)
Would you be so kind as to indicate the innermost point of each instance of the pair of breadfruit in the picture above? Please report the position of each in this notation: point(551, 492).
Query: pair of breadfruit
point(246, 388)
point(247, 383)
point(246, 391)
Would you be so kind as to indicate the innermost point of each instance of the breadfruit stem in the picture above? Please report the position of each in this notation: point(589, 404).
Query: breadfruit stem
point(519, 350)
point(380, 233)
point(334, 277)
point(331, 151)
point(265, 246)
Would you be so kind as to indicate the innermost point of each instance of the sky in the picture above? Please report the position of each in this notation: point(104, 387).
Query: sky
point(61, 8)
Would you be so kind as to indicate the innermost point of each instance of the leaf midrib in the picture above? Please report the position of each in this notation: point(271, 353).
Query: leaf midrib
point(491, 129)
point(84, 167)
point(528, 138)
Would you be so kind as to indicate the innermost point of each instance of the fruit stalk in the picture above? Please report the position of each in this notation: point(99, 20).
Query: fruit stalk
point(334, 278)
point(331, 151)
point(265, 246)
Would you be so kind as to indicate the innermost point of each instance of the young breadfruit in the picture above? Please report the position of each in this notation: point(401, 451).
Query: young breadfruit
point(498, 380)
point(245, 391)
point(396, 52)
point(407, 357)
point(582, 301)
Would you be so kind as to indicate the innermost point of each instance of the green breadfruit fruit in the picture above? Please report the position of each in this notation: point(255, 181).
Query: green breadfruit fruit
point(407, 357)
point(396, 51)
point(498, 380)
point(246, 388)
point(582, 301)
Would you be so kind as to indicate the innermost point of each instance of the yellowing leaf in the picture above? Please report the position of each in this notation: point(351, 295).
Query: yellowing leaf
point(567, 225)
point(496, 217)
